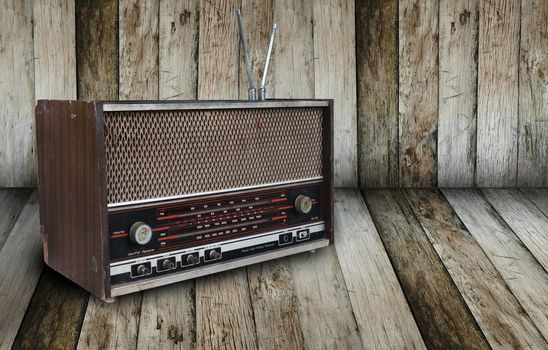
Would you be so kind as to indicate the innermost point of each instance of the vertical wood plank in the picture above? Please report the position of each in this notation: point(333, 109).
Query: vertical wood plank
point(12, 202)
point(218, 54)
point(275, 305)
point(54, 49)
point(17, 154)
point(524, 218)
point(335, 77)
point(497, 311)
point(513, 261)
point(54, 316)
point(178, 42)
point(533, 94)
point(418, 94)
point(382, 313)
point(97, 49)
point(324, 307)
point(20, 267)
point(458, 26)
point(497, 124)
point(168, 318)
point(539, 196)
point(258, 18)
point(377, 79)
point(138, 49)
point(442, 316)
point(293, 57)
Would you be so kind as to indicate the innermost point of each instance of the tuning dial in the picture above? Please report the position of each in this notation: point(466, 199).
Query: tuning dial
point(143, 270)
point(140, 233)
point(303, 204)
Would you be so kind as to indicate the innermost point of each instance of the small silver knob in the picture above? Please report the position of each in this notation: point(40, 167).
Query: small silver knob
point(191, 259)
point(140, 233)
point(303, 204)
point(143, 270)
point(168, 264)
point(214, 255)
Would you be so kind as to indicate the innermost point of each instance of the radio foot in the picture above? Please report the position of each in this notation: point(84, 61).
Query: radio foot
point(110, 300)
point(312, 251)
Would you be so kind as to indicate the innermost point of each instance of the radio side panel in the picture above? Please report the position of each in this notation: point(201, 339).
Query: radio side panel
point(72, 191)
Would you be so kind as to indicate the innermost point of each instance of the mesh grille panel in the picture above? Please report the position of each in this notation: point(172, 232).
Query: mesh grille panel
point(154, 154)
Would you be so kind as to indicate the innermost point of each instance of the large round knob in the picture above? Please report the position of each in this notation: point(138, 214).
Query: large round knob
point(140, 233)
point(303, 204)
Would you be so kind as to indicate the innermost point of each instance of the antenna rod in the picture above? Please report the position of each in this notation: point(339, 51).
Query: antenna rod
point(262, 90)
point(251, 87)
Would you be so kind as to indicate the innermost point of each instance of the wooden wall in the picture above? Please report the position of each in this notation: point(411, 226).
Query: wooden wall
point(451, 92)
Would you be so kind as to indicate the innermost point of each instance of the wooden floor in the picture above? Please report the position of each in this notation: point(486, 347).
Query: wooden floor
point(410, 269)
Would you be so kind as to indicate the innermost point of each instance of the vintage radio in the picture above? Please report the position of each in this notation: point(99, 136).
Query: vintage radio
point(135, 195)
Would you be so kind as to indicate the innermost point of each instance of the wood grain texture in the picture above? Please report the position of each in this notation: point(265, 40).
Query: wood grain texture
point(418, 92)
point(539, 196)
point(497, 311)
point(168, 318)
point(293, 56)
point(335, 77)
point(97, 49)
point(54, 49)
point(524, 218)
point(324, 307)
point(17, 154)
point(20, 268)
point(178, 45)
point(533, 94)
point(458, 52)
point(377, 97)
point(218, 51)
point(517, 266)
point(224, 315)
point(442, 316)
point(497, 125)
point(138, 37)
point(54, 316)
point(275, 305)
point(378, 303)
point(109, 326)
point(257, 16)
point(12, 202)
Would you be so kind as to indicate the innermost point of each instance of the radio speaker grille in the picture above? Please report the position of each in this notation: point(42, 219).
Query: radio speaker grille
point(158, 154)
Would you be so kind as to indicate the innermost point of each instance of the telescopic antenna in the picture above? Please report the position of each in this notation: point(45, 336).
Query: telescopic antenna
point(250, 85)
point(262, 90)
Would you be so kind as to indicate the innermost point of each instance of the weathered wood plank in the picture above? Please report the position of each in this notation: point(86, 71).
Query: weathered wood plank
point(224, 316)
point(138, 49)
point(17, 158)
point(533, 94)
point(497, 311)
point(335, 77)
point(377, 79)
point(539, 196)
point(458, 26)
point(97, 49)
point(54, 316)
point(441, 314)
point(513, 261)
point(218, 50)
point(12, 202)
point(382, 313)
point(275, 305)
point(497, 119)
point(108, 326)
point(324, 307)
point(257, 17)
point(418, 92)
point(54, 49)
point(20, 268)
point(178, 41)
point(293, 56)
point(524, 218)
point(168, 318)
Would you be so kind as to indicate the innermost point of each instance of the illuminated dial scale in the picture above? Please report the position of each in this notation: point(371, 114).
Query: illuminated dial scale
point(182, 224)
